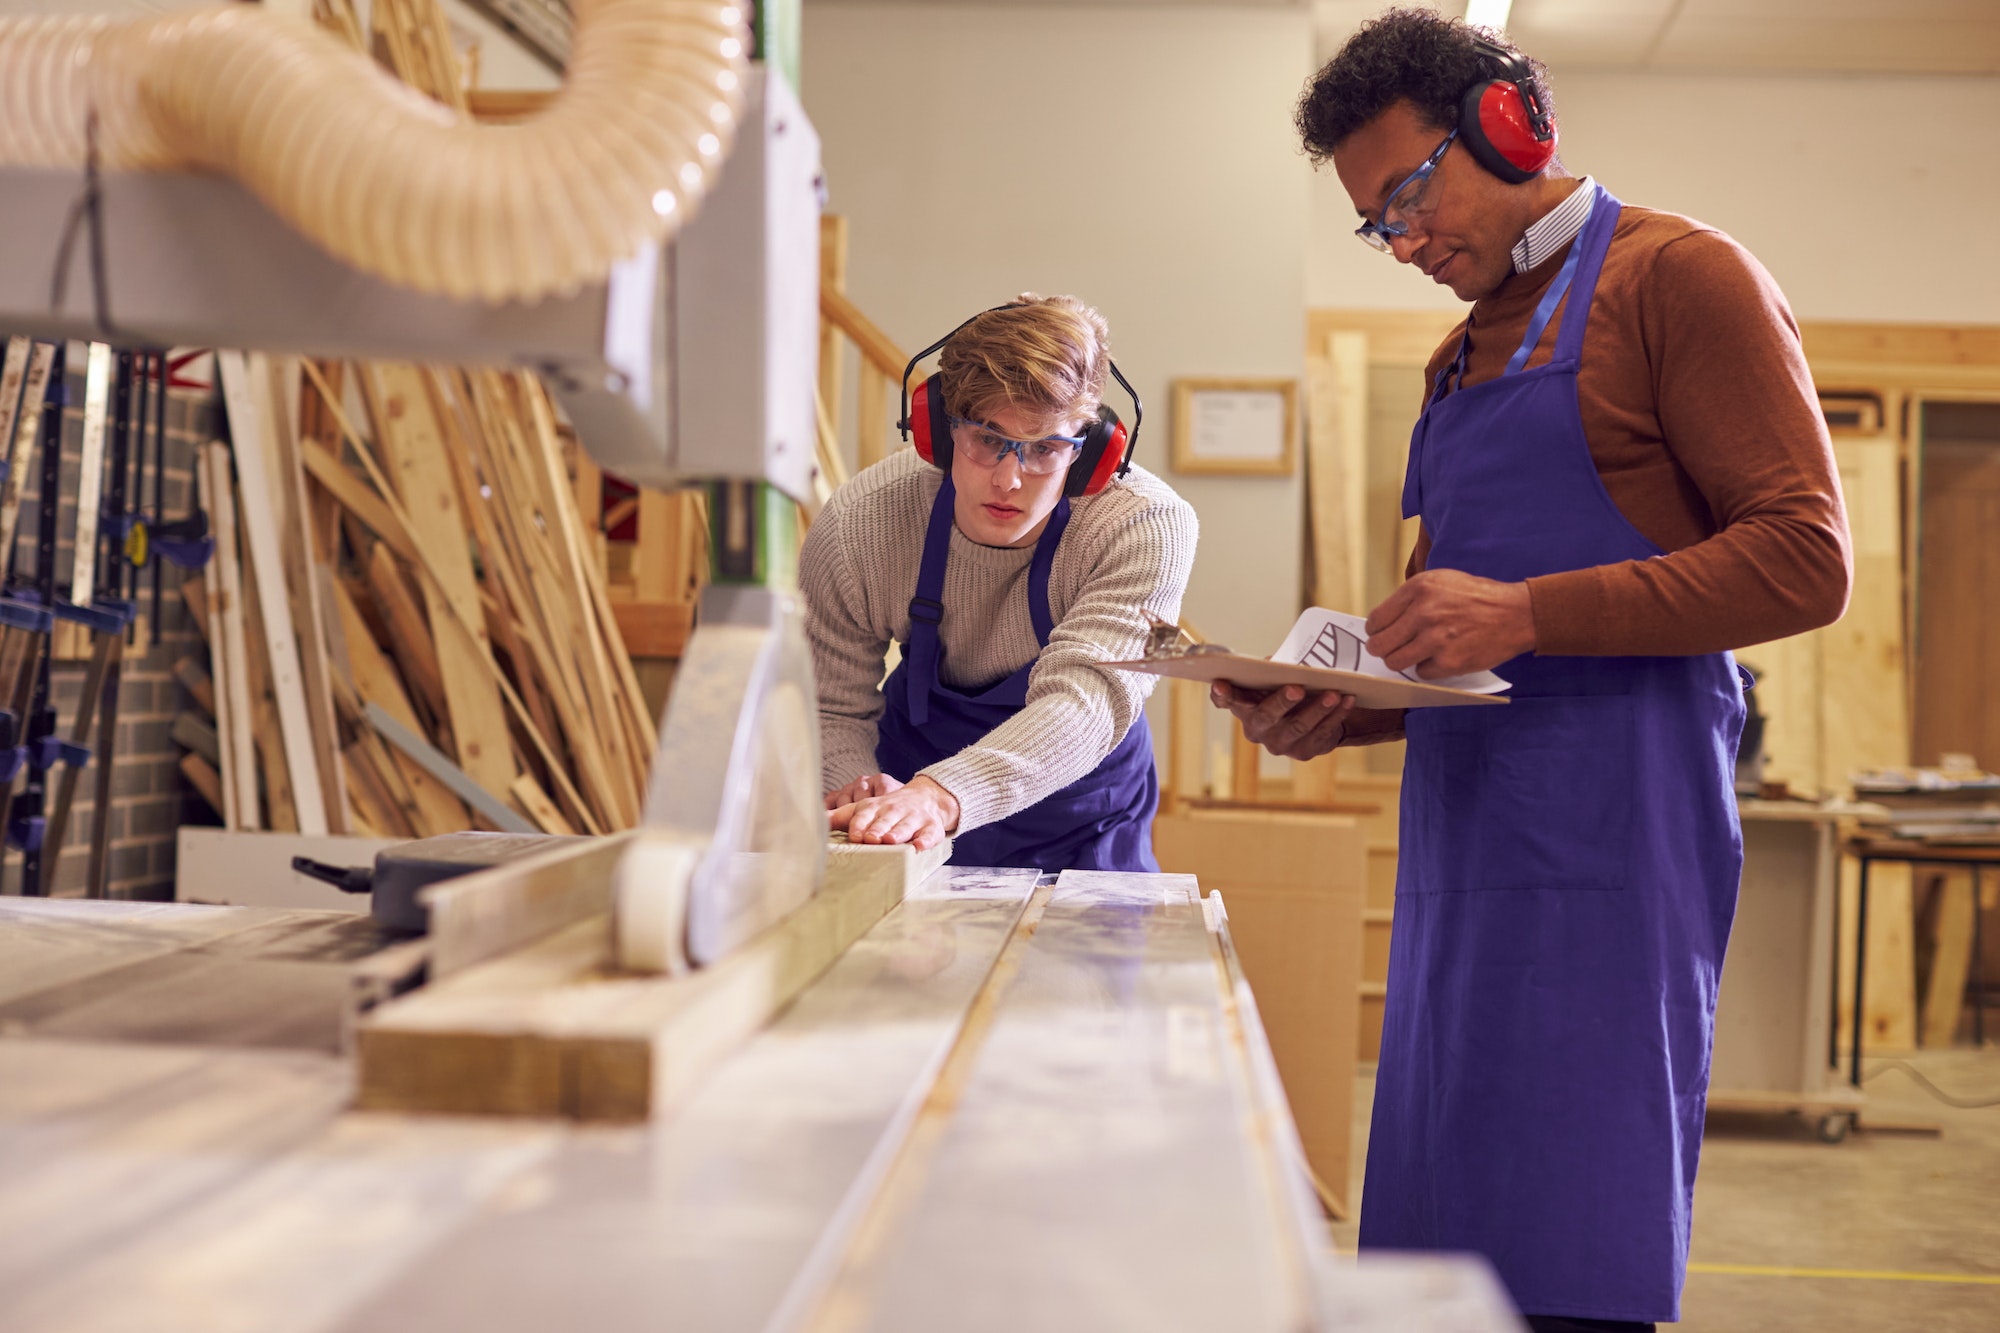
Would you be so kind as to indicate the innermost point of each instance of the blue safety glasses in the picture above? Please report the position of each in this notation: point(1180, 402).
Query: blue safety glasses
point(1414, 198)
point(986, 447)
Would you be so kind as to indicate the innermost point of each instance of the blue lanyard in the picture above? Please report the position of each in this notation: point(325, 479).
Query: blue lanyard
point(1545, 310)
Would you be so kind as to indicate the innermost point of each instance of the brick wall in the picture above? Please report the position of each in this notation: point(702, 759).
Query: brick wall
point(149, 797)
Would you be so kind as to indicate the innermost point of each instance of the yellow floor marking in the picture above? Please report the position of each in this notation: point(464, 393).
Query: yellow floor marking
point(1872, 1275)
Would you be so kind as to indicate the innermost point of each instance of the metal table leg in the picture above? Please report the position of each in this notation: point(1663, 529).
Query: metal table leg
point(1978, 963)
point(1860, 971)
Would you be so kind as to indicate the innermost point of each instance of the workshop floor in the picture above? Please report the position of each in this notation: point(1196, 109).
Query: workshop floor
point(1892, 1224)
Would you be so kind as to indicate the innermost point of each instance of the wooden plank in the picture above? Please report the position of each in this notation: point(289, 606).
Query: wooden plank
point(1114, 1016)
point(658, 534)
point(1246, 762)
point(1900, 344)
point(1295, 886)
point(302, 584)
point(410, 641)
point(231, 648)
point(632, 737)
point(755, 1184)
point(191, 733)
point(21, 443)
point(1863, 681)
point(435, 810)
point(201, 775)
point(564, 789)
point(412, 441)
point(540, 810)
point(106, 1143)
point(654, 629)
point(1403, 339)
point(190, 1191)
point(871, 416)
point(1951, 959)
point(13, 376)
point(483, 916)
point(1187, 736)
point(832, 278)
point(280, 807)
point(90, 474)
point(194, 678)
point(250, 433)
point(281, 983)
point(376, 811)
point(878, 350)
point(50, 942)
point(552, 608)
point(357, 499)
point(547, 1031)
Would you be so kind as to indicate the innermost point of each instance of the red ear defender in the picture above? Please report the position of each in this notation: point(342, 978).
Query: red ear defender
point(1106, 454)
point(1502, 120)
point(927, 426)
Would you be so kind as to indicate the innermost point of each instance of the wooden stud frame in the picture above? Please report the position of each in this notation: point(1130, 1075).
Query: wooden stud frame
point(1188, 455)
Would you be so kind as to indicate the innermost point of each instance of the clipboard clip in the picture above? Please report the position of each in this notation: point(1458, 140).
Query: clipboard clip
point(1168, 639)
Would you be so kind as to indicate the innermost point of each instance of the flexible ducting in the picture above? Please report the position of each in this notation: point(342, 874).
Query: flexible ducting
point(384, 178)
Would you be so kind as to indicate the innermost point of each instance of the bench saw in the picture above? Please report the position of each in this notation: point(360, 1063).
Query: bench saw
point(708, 1074)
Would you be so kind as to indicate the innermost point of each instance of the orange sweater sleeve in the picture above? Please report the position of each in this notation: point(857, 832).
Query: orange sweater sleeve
point(1739, 414)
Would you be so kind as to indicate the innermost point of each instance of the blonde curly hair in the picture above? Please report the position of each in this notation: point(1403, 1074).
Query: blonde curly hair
point(1043, 356)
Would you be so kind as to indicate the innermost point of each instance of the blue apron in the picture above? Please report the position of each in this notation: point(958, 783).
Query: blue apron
point(1563, 897)
point(1102, 821)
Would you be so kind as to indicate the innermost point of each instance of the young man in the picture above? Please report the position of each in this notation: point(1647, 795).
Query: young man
point(1622, 473)
point(1011, 556)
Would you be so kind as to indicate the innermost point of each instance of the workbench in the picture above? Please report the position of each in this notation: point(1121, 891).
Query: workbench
point(1017, 1103)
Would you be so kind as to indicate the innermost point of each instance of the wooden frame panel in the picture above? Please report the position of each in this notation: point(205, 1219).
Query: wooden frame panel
point(1186, 457)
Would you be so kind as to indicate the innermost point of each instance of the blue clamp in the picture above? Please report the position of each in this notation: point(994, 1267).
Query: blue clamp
point(192, 553)
point(10, 763)
point(105, 616)
point(43, 752)
point(73, 754)
point(27, 834)
point(17, 613)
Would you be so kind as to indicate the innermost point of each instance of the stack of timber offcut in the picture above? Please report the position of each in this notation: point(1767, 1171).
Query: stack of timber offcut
point(410, 631)
point(416, 618)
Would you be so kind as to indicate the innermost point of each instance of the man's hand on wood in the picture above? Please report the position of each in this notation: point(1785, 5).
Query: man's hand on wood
point(920, 812)
point(1447, 623)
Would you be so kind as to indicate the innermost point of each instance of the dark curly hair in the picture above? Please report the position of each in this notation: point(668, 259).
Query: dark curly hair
point(1405, 55)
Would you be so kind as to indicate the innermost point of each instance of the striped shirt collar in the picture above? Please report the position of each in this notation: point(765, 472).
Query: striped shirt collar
point(1556, 229)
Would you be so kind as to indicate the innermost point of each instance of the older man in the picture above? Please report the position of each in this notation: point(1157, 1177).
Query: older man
point(1622, 474)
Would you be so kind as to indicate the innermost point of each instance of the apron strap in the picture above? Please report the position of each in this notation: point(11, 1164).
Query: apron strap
point(927, 607)
point(1038, 572)
point(1595, 239)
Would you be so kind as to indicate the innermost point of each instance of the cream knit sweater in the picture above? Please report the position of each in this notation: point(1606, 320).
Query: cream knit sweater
point(1126, 551)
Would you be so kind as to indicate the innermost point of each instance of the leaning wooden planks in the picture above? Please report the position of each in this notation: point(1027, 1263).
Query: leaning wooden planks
point(550, 1030)
point(489, 610)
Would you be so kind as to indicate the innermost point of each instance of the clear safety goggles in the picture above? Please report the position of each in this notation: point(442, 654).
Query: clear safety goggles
point(1413, 199)
point(985, 446)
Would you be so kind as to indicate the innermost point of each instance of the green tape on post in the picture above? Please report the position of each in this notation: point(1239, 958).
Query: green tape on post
point(775, 37)
point(753, 534)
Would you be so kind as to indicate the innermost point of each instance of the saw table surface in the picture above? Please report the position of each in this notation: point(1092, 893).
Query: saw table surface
point(1012, 1105)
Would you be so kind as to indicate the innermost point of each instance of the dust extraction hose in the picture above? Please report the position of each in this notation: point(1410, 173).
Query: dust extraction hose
point(379, 175)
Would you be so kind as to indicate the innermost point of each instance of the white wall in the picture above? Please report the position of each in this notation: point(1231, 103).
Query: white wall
point(1869, 197)
point(1134, 156)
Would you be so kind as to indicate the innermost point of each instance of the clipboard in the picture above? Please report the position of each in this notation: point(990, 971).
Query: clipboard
point(1261, 673)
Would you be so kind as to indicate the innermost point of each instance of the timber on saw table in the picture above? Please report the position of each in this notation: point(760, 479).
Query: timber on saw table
point(552, 1029)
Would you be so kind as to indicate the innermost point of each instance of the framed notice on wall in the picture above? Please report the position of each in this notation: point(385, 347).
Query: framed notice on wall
point(1236, 427)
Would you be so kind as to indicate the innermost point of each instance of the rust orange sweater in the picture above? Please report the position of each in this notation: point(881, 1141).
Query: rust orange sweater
point(1702, 419)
